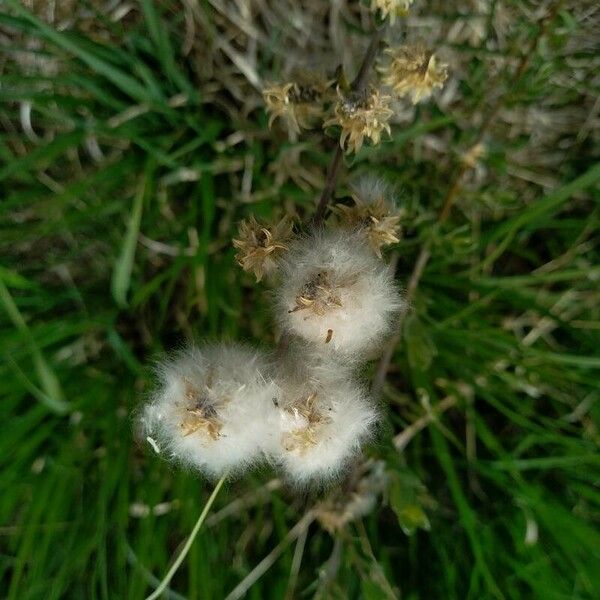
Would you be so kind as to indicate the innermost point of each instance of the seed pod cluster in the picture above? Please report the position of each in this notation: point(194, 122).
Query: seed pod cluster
point(226, 407)
point(361, 112)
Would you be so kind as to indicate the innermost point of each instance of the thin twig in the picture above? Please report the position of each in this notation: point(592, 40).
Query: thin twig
point(188, 544)
point(376, 571)
point(388, 353)
point(330, 569)
point(362, 78)
point(330, 183)
point(406, 435)
point(358, 85)
point(267, 562)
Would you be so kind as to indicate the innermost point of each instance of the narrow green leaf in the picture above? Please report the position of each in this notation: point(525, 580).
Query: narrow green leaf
point(405, 491)
point(420, 348)
point(15, 280)
point(536, 211)
point(52, 395)
point(468, 518)
point(47, 153)
point(160, 37)
point(127, 84)
point(124, 352)
point(121, 278)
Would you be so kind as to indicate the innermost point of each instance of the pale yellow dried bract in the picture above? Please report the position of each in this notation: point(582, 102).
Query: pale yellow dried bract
point(318, 295)
point(301, 438)
point(472, 157)
point(199, 413)
point(391, 8)
point(375, 219)
point(361, 115)
point(298, 104)
point(413, 70)
point(259, 244)
point(195, 421)
point(348, 503)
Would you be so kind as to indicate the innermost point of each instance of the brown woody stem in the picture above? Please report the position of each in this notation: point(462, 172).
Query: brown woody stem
point(358, 85)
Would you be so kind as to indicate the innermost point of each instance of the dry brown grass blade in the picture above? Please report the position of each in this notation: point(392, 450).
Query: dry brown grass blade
point(265, 564)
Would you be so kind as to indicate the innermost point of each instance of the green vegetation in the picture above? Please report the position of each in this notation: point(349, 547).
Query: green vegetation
point(131, 144)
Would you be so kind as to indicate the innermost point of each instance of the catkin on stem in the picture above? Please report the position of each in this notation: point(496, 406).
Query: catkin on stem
point(209, 410)
point(331, 280)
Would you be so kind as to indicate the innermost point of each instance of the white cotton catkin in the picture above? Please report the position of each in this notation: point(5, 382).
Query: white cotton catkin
point(210, 410)
point(335, 293)
point(322, 420)
point(222, 408)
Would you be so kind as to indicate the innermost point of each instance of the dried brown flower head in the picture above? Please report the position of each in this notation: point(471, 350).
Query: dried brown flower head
point(355, 500)
point(258, 245)
point(414, 70)
point(298, 103)
point(373, 215)
point(299, 439)
point(360, 115)
point(472, 157)
point(391, 8)
point(318, 294)
point(200, 413)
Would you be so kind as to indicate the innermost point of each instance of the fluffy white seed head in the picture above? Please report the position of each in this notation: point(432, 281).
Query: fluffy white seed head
point(335, 293)
point(315, 362)
point(321, 424)
point(210, 410)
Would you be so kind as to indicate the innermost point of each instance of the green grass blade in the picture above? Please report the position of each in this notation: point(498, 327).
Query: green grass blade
point(188, 544)
point(119, 78)
point(534, 213)
point(160, 37)
point(121, 278)
point(52, 396)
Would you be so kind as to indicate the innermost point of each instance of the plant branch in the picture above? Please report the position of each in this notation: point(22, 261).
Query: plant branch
point(330, 183)
point(296, 563)
point(448, 203)
point(406, 435)
point(358, 85)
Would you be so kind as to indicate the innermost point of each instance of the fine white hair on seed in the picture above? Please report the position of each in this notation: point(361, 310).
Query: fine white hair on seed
point(333, 292)
point(370, 188)
point(210, 408)
point(322, 420)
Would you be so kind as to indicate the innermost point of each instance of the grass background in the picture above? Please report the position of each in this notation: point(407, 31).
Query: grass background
point(132, 141)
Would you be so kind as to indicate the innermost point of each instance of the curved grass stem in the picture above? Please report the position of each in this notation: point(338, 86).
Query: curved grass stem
point(188, 544)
